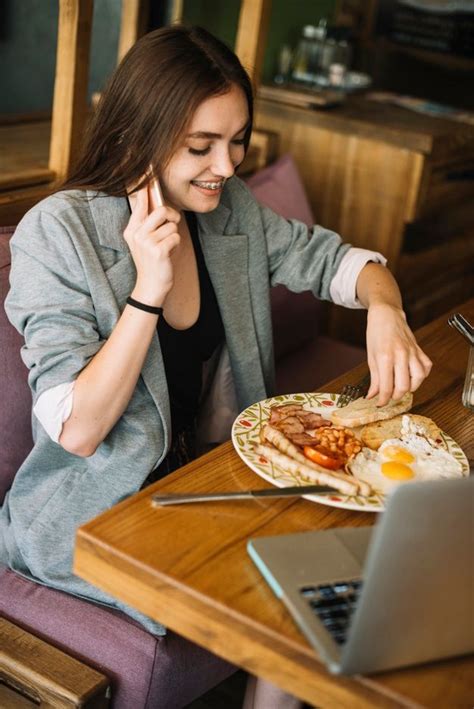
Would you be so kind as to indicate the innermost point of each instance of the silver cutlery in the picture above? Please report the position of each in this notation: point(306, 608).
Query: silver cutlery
point(463, 326)
point(350, 392)
point(298, 491)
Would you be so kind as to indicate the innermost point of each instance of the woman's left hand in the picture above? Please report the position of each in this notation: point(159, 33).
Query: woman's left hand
point(397, 364)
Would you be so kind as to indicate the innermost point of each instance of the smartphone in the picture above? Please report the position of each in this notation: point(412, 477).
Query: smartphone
point(156, 190)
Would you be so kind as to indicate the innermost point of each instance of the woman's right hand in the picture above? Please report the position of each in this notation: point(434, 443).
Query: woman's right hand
point(151, 237)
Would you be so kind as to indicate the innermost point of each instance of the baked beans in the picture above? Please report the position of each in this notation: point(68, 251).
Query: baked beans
point(339, 440)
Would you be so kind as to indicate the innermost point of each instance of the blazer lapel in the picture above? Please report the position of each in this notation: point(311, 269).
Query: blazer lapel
point(111, 215)
point(227, 260)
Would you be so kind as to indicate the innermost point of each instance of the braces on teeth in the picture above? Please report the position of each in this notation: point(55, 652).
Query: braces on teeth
point(209, 185)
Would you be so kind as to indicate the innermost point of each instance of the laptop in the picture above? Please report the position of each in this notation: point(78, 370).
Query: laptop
point(376, 598)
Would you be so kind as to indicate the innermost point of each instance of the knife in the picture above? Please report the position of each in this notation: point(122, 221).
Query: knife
point(298, 491)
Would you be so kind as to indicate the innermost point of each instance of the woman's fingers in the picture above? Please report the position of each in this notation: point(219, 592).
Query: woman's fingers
point(397, 364)
point(163, 231)
point(157, 226)
point(139, 206)
point(391, 377)
point(402, 378)
point(420, 367)
point(374, 379)
point(385, 366)
point(171, 242)
point(139, 212)
point(160, 216)
point(144, 220)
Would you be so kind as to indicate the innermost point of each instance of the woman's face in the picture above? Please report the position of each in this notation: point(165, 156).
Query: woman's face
point(213, 147)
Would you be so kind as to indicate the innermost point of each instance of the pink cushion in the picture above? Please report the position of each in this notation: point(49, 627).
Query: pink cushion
point(15, 409)
point(319, 361)
point(279, 186)
point(145, 671)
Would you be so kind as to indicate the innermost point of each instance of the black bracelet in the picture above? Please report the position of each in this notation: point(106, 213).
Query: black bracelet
point(143, 306)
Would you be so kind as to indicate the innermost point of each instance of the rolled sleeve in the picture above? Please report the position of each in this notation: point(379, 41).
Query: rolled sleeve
point(53, 407)
point(343, 289)
point(50, 304)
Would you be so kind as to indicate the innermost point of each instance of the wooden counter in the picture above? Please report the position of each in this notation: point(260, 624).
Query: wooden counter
point(391, 180)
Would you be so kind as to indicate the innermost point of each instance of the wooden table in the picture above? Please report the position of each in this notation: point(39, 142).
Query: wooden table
point(187, 567)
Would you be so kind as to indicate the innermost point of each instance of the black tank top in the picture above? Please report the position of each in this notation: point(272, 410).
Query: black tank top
point(185, 351)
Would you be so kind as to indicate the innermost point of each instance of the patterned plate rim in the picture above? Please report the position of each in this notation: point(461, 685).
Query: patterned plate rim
point(249, 421)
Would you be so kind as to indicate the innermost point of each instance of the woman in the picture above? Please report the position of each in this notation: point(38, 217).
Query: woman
point(140, 319)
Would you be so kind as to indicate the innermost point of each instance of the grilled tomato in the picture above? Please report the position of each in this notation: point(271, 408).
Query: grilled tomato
point(322, 456)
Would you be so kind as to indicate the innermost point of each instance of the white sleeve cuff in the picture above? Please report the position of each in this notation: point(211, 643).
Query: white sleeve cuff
point(54, 407)
point(343, 285)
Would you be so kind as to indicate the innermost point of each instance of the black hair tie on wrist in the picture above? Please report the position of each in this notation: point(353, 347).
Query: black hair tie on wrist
point(142, 306)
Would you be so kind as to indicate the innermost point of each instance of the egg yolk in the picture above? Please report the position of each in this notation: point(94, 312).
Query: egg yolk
point(396, 471)
point(398, 455)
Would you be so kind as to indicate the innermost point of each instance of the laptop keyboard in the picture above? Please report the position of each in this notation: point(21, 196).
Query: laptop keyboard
point(333, 605)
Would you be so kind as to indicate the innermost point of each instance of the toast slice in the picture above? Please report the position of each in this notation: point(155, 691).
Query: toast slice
point(363, 411)
point(374, 434)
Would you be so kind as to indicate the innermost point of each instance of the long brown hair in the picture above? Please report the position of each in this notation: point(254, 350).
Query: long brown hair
point(149, 102)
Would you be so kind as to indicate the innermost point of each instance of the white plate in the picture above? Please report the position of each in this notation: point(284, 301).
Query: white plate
point(245, 437)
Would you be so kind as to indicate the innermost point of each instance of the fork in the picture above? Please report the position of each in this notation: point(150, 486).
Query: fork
point(353, 391)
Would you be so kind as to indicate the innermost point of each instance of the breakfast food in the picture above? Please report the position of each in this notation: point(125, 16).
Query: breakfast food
point(320, 441)
point(363, 411)
point(305, 443)
point(411, 456)
point(365, 463)
point(296, 422)
point(374, 434)
point(338, 441)
point(303, 468)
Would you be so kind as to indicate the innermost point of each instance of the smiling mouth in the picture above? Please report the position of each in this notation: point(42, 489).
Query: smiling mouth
point(209, 185)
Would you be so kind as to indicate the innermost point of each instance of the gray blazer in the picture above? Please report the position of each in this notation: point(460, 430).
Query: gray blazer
point(71, 274)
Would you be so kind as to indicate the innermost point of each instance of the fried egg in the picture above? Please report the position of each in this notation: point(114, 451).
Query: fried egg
point(408, 458)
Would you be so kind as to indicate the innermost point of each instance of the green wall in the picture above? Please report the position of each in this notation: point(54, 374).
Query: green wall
point(28, 32)
point(286, 22)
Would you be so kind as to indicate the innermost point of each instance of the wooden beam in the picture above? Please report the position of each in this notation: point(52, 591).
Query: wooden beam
point(48, 676)
point(176, 11)
point(71, 82)
point(251, 36)
point(132, 25)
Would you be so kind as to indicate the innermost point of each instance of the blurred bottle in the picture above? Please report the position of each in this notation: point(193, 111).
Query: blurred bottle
point(336, 57)
point(285, 58)
point(309, 53)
